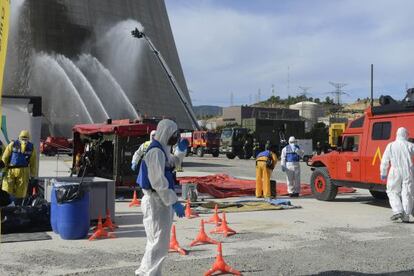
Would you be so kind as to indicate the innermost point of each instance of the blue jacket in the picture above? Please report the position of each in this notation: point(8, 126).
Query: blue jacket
point(143, 180)
point(18, 158)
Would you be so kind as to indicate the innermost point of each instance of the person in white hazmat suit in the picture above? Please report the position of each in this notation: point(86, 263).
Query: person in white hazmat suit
point(289, 160)
point(157, 181)
point(398, 157)
point(139, 153)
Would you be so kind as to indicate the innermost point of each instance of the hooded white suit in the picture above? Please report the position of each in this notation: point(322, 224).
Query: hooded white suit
point(157, 206)
point(292, 168)
point(398, 156)
point(142, 149)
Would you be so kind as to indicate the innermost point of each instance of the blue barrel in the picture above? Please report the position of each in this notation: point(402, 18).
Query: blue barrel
point(53, 210)
point(73, 218)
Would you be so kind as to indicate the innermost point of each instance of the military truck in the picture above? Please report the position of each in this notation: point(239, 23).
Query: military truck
point(239, 141)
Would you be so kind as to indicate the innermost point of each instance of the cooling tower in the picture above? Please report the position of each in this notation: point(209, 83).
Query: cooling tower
point(80, 56)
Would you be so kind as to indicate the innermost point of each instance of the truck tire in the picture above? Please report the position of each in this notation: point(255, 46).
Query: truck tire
point(216, 154)
point(230, 155)
point(322, 186)
point(200, 152)
point(378, 195)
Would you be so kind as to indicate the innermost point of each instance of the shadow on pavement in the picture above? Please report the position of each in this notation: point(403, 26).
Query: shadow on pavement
point(351, 273)
point(131, 219)
point(130, 232)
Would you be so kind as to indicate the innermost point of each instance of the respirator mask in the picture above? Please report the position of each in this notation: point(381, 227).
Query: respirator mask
point(174, 138)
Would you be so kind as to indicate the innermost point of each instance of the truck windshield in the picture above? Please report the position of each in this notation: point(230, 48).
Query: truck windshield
point(226, 134)
point(212, 136)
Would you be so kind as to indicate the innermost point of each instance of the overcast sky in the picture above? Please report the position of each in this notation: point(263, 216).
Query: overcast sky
point(241, 46)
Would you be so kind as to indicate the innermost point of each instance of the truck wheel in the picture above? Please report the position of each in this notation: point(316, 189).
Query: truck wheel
point(378, 195)
point(240, 156)
point(230, 155)
point(216, 154)
point(321, 185)
point(200, 152)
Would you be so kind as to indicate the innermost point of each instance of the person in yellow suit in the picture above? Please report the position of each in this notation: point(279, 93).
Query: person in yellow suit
point(265, 163)
point(19, 158)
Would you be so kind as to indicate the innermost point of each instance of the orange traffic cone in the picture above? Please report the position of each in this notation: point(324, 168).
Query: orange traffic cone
point(223, 228)
point(188, 212)
point(135, 201)
point(100, 231)
point(108, 221)
point(215, 219)
point(174, 246)
point(220, 265)
point(202, 237)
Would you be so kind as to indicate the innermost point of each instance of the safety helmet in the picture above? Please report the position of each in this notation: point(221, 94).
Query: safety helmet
point(292, 139)
point(24, 134)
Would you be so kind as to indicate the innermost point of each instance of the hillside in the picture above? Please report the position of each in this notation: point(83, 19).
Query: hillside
point(207, 111)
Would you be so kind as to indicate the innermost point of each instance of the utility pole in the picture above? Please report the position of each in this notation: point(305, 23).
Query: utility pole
point(273, 90)
point(259, 95)
point(288, 81)
point(338, 90)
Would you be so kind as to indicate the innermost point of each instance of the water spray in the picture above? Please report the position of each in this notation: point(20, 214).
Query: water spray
point(139, 34)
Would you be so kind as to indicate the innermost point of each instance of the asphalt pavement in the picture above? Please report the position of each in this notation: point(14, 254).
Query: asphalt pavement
point(349, 236)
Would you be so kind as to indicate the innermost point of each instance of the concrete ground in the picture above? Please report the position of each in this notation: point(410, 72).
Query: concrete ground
point(349, 236)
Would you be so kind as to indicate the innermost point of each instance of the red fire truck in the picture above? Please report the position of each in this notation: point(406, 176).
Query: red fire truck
point(201, 142)
point(356, 161)
point(108, 149)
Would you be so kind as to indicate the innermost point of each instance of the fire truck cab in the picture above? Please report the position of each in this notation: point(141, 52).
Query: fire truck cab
point(356, 160)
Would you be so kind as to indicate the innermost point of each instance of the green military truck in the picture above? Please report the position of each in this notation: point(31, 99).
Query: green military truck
point(239, 141)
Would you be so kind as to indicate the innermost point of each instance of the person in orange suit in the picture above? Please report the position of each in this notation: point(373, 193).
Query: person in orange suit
point(265, 163)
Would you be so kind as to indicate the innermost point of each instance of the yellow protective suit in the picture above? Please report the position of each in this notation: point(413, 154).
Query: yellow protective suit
point(263, 174)
point(16, 180)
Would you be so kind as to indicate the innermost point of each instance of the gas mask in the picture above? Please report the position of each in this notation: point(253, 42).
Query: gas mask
point(174, 138)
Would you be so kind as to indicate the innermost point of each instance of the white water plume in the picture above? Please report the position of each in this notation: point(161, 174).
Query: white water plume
point(109, 91)
point(60, 98)
point(121, 53)
point(84, 88)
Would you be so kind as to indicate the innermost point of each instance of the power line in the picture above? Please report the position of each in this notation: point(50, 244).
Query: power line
point(338, 91)
point(305, 90)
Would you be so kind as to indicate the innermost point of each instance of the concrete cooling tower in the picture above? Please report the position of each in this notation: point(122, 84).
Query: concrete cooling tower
point(80, 56)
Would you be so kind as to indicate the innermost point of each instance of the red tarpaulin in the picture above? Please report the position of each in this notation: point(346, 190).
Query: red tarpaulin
point(222, 186)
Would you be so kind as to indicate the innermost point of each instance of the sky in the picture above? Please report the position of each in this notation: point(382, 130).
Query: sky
point(232, 49)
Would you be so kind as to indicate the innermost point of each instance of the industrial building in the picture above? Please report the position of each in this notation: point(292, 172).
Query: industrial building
point(81, 58)
point(236, 114)
point(310, 111)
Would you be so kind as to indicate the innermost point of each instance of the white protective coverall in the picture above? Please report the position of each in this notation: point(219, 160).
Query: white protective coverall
point(157, 206)
point(292, 169)
point(398, 156)
point(142, 149)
